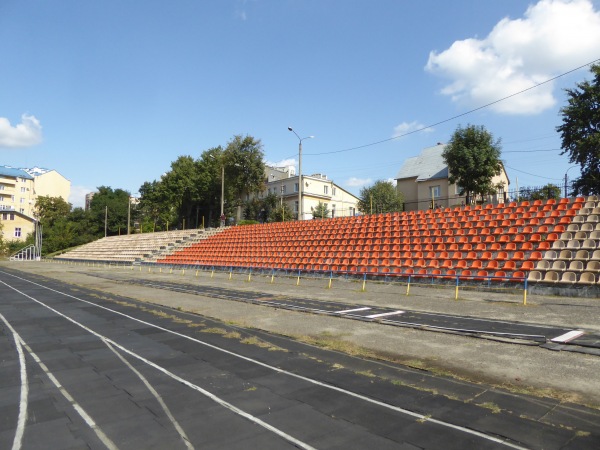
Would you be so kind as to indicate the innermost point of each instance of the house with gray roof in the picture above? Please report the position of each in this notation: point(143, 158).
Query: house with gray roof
point(423, 180)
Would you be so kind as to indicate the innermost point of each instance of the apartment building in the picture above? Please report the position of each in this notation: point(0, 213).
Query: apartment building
point(19, 190)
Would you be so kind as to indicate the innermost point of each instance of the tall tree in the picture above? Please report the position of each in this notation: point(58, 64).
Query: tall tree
point(321, 211)
point(182, 189)
point(244, 165)
point(49, 209)
point(473, 159)
point(117, 202)
point(381, 197)
point(580, 132)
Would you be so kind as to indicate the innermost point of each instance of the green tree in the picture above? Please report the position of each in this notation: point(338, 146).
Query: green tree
point(550, 191)
point(473, 159)
point(580, 132)
point(281, 213)
point(182, 189)
point(381, 197)
point(321, 211)
point(244, 166)
point(116, 203)
point(49, 209)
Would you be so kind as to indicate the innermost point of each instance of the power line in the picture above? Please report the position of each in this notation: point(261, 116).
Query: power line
point(532, 151)
point(533, 175)
point(457, 116)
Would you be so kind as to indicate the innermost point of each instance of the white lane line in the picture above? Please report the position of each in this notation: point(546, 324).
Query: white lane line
point(346, 311)
point(163, 405)
point(18, 440)
point(393, 313)
point(568, 336)
point(206, 393)
point(84, 415)
point(420, 417)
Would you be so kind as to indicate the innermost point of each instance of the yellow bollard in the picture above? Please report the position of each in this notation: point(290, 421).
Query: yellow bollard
point(524, 297)
point(407, 288)
point(196, 273)
point(249, 275)
point(272, 277)
point(170, 270)
point(230, 273)
point(160, 269)
point(329, 284)
point(212, 273)
point(182, 272)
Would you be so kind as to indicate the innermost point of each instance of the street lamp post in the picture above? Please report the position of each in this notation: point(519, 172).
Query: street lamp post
point(300, 212)
point(566, 194)
point(222, 188)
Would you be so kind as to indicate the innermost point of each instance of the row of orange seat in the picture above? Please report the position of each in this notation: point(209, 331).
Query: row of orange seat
point(467, 239)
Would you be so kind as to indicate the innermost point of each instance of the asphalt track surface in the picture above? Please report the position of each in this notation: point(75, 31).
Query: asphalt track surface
point(82, 370)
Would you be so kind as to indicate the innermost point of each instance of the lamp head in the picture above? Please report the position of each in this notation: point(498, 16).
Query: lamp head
point(290, 129)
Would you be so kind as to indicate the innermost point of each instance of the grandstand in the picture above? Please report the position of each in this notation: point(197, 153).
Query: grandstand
point(135, 247)
point(554, 241)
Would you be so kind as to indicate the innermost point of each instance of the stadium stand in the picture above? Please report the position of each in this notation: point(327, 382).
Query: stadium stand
point(508, 242)
point(135, 247)
point(552, 242)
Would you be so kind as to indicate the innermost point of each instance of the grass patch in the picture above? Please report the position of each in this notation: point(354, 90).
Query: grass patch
point(215, 330)
point(253, 340)
point(491, 406)
point(366, 373)
point(424, 418)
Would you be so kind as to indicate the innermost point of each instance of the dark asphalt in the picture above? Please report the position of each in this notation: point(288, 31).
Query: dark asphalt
point(134, 376)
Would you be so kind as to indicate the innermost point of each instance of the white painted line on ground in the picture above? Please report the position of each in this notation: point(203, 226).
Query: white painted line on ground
point(568, 336)
point(156, 395)
point(183, 381)
point(84, 415)
point(393, 313)
point(420, 417)
point(346, 311)
point(18, 440)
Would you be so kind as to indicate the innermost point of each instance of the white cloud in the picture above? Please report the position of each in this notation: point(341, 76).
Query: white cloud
point(282, 163)
point(358, 182)
point(409, 127)
point(77, 197)
point(25, 134)
point(552, 37)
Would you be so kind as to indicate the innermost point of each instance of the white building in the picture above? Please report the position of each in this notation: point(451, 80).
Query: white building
point(316, 188)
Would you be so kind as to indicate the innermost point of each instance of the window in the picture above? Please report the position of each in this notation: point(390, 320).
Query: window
point(332, 211)
point(22, 210)
point(296, 206)
point(2, 187)
point(21, 200)
point(333, 191)
point(17, 232)
point(296, 187)
point(283, 188)
point(325, 190)
point(23, 189)
point(435, 191)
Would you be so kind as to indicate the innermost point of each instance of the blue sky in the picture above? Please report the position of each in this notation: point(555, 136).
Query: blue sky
point(111, 92)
